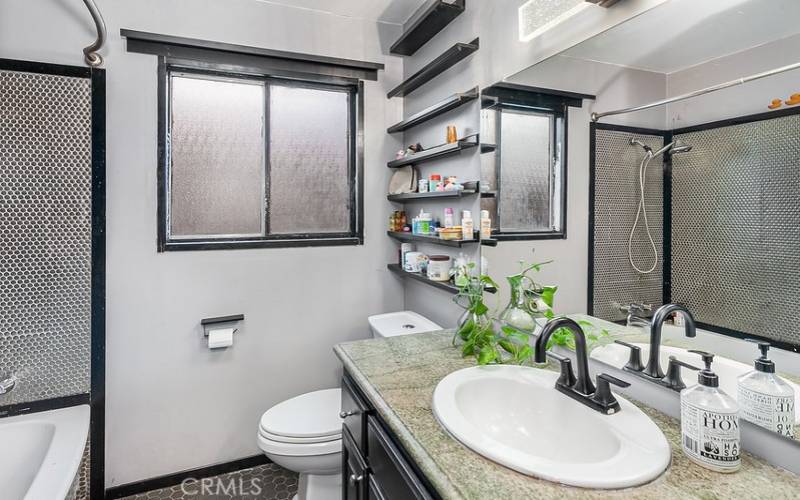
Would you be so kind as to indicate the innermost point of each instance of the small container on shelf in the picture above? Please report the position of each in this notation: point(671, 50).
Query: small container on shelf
point(435, 183)
point(439, 267)
point(450, 233)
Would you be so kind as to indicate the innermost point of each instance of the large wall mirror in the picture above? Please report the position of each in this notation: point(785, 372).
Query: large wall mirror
point(694, 202)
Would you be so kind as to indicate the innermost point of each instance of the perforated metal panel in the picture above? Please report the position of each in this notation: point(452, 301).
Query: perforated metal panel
point(736, 227)
point(45, 234)
point(616, 199)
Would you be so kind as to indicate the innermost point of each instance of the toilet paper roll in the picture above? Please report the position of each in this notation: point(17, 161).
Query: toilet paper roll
point(220, 337)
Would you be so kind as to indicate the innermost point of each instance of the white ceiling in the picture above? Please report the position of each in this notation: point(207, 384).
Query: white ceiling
point(683, 33)
point(388, 11)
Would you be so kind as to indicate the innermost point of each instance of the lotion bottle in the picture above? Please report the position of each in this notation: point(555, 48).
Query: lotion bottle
point(486, 225)
point(467, 226)
point(766, 399)
point(710, 422)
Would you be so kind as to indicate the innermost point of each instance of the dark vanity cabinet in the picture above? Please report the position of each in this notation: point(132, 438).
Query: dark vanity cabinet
point(374, 465)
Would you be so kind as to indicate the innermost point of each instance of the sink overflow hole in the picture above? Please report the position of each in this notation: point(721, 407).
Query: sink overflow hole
point(409, 326)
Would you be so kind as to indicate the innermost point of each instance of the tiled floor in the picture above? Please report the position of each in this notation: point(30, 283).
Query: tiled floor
point(265, 482)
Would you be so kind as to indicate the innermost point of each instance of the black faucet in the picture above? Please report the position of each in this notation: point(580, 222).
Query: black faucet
point(653, 367)
point(652, 371)
point(580, 387)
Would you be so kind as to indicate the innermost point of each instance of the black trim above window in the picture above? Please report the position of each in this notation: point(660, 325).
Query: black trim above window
point(247, 59)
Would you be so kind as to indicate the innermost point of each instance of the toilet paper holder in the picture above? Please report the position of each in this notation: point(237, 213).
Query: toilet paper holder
point(208, 322)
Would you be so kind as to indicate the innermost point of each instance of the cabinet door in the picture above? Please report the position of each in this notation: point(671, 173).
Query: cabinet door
point(354, 414)
point(354, 470)
point(394, 477)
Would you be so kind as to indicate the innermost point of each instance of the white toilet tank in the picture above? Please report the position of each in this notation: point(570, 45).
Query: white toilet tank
point(400, 323)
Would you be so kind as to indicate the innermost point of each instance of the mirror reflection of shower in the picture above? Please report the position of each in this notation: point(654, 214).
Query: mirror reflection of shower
point(672, 148)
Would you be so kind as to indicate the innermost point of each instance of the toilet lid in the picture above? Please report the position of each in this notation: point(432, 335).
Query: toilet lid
point(310, 415)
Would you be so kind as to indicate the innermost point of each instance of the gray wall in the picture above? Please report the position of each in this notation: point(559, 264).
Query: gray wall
point(171, 403)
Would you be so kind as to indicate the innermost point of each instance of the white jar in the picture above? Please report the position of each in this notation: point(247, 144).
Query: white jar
point(439, 267)
point(415, 262)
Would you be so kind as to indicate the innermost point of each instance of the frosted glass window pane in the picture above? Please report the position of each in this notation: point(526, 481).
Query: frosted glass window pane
point(309, 188)
point(525, 171)
point(217, 158)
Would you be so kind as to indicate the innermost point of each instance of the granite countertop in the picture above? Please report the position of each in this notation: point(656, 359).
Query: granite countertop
point(399, 375)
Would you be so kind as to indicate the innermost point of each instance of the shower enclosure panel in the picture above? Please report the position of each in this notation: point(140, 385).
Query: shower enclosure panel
point(614, 198)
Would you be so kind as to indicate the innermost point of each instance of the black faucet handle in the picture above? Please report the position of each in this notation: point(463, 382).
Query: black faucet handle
point(635, 360)
point(567, 377)
point(674, 380)
point(603, 395)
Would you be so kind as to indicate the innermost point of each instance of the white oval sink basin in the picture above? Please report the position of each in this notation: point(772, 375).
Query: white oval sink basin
point(726, 369)
point(515, 416)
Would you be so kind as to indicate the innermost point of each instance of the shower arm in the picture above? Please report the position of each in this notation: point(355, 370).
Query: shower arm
point(90, 54)
point(739, 81)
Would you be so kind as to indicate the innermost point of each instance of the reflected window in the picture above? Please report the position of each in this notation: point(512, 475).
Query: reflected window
point(523, 170)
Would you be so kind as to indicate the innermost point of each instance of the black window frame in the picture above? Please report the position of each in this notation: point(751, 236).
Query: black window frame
point(541, 101)
point(558, 113)
point(355, 89)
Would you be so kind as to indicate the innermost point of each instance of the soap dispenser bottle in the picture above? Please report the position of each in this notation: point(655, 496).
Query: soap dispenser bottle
point(710, 422)
point(764, 398)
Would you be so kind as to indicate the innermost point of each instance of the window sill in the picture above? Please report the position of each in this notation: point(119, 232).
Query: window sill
point(528, 236)
point(196, 245)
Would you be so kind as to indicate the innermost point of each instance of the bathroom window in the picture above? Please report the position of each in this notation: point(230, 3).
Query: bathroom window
point(525, 171)
point(256, 161)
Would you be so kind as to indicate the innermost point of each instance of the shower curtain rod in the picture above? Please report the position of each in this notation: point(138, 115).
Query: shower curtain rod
point(90, 54)
point(708, 90)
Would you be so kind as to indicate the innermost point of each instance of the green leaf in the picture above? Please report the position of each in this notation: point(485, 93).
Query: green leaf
point(480, 309)
point(486, 356)
point(548, 294)
point(509, 346)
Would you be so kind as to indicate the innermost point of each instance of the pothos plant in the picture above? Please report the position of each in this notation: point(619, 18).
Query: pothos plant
point(491, 339)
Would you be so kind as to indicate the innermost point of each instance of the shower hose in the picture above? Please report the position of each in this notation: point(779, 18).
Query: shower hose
point(641, 212)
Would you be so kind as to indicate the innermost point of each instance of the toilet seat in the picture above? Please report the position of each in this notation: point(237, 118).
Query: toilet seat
point(305, 425)
point(307, 416)
point(299, 450)
point(296, 440)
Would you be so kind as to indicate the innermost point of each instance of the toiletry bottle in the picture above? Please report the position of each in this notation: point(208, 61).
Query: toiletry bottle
point(710, 422)
point(764, 398)
point(467, 227)
point(449, 218)
point(486, 225)
point(424, 223)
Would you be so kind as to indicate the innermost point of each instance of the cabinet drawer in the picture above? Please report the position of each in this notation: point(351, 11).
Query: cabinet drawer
point(394, 477)
point(354, 414)
point(355, 473)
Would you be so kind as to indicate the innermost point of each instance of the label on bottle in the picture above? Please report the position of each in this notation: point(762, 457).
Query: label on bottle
point(775, 413)
point(710, 437)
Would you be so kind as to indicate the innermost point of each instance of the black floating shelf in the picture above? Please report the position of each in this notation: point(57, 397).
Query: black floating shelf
point(429, 20)
point(436, 152)
point(489, 242)
point(433, 195)
point(431, 112)
point(488, 147)
point(434, 240)
point(450, 58)
point(447, 286)
point(488, 194)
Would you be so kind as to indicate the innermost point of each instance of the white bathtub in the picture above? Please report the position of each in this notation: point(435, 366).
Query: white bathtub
point(41, 453)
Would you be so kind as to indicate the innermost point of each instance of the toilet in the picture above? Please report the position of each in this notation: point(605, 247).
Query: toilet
point(400, 323)
point(304, 434)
